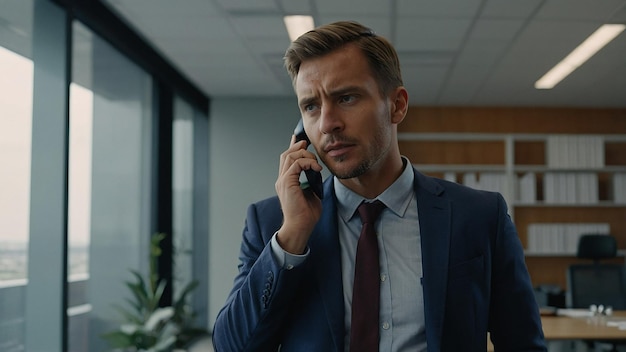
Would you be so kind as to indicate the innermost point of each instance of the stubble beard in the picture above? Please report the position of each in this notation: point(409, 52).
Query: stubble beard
point(364, 165)
point(352, 173)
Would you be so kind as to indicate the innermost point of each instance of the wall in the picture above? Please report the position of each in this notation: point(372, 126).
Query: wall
point(246, 138)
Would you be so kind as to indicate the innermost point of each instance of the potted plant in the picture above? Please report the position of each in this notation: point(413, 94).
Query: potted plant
point(147, 326)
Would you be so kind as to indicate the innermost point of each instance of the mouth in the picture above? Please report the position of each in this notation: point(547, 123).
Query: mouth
point(336, 150)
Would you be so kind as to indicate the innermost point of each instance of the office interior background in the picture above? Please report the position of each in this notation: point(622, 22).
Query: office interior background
point(124, 118)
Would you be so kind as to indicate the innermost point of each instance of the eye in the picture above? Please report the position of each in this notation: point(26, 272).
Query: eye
point(310, 108)
point(347, 99)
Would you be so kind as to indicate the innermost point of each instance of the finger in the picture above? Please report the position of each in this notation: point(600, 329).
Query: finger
point(302, 157)
point(302, 164)
point(301, 145)
point(295, 152)
point(289, 177)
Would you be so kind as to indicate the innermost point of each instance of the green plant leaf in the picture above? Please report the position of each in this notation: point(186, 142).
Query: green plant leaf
point(161, 315)
point(156, 296)
point(183, 296)
point(165, 344)
point(129, 316)
point(147, 326)
point(143, 298)
point(136, 306)
point(118, 339)
point(155, 253)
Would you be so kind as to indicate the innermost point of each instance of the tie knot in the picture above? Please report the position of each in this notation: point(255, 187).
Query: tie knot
point(369, 212)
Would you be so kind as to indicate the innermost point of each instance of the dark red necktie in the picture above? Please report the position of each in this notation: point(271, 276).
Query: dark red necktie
point(364, 332)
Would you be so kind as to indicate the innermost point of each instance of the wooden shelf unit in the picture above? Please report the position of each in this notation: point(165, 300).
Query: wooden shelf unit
point(513, 142)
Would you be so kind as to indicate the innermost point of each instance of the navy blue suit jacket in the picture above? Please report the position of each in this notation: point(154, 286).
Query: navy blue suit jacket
point(475, 279)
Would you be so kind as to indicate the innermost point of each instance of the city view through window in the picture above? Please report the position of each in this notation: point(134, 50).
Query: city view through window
point(16, 87)
point(16, 91)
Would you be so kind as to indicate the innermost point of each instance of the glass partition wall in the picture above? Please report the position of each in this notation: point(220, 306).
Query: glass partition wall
point(109, 184)
point(189, 200)
point(78, 145)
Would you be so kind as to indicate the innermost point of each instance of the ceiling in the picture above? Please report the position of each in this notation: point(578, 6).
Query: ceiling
point(452, 52)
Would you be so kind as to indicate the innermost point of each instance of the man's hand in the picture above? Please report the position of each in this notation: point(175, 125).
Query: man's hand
point(301, 210)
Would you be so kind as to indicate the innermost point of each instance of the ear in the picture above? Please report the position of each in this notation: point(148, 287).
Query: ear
point(399, 104)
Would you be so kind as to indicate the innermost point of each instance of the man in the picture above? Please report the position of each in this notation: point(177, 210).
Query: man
point(451, 264)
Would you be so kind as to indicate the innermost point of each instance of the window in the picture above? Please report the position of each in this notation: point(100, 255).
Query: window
point(77, 181)
point(16, 94)
point(110, 173)
point(190, 204)
point(182, 193)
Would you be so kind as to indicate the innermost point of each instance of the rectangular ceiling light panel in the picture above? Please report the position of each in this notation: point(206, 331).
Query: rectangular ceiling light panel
point(298, 25)
point(582, 53)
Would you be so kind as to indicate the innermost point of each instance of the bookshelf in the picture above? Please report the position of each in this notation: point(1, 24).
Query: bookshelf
point(562, 171)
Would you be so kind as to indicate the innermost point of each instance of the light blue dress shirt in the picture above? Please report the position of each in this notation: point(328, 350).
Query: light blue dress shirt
point(402, 326)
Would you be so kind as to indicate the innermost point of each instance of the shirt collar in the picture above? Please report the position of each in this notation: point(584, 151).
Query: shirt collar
point(396, 197)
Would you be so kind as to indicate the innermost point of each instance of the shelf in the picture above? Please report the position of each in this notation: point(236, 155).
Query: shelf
point(459, 168)
point(546, 169)
point(527, 137)
point(516, 168)
point(514, 151)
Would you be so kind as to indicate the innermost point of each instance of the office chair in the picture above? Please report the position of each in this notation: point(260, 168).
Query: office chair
point(596, 283)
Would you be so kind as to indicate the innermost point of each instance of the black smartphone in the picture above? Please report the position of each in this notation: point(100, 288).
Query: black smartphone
point(313, 177)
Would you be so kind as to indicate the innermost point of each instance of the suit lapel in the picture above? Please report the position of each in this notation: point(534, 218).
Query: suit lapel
point(326, 259)
point(434, 218)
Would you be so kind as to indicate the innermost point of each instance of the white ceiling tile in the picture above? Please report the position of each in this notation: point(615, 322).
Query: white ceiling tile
point(193, 29)
point(579, 9)
point(619, 16)
point(164, 9)
point(430, 58)
point(296, 7)
point(423, 83)
point(482, 52)
point(269, 46)
point(430, 34)
point(496, 29)
point(462, 84)
point(488, 41)
point(510, 9)
point(438, 8)
point(261, 26)
point(353, 7)
point(242, 6)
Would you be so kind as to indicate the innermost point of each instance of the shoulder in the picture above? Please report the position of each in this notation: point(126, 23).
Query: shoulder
point(457, 193)
point(265, 208)
point(267, 205)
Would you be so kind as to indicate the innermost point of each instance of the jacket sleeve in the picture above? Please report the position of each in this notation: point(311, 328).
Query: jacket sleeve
point(514, 322)
point(252, 318)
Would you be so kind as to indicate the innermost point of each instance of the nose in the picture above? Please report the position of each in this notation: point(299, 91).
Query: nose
point(330, 119)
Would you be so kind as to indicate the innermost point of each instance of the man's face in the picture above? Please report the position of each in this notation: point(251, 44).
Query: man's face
point(347, 120)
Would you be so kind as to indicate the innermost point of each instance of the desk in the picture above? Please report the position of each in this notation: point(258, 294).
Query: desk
point(579, 328)
point(582, 328)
